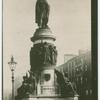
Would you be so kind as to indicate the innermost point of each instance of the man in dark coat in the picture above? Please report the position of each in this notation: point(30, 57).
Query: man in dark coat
point(42, 13)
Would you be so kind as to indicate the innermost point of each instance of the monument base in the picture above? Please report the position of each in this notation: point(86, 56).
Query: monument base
point(50, 98)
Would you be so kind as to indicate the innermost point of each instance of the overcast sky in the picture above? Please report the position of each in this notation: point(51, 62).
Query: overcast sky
point(70, 21)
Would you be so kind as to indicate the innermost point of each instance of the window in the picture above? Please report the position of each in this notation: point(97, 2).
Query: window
point(86, 68)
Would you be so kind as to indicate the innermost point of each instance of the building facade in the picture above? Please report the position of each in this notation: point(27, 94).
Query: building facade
point(79, 71)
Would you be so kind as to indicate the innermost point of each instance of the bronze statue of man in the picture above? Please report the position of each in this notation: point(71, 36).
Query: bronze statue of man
point(42, 13)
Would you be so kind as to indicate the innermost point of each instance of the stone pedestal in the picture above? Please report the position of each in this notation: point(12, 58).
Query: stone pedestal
point(51, 98)
point(42, 83)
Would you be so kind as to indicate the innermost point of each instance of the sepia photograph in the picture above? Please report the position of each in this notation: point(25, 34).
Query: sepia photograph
point(49, 50)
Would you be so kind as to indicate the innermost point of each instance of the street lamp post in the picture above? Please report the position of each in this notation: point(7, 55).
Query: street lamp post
point(12, 65)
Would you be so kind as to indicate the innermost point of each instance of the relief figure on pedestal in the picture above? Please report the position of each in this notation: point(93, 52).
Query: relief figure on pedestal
point(53, 55)
point(46, 54)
